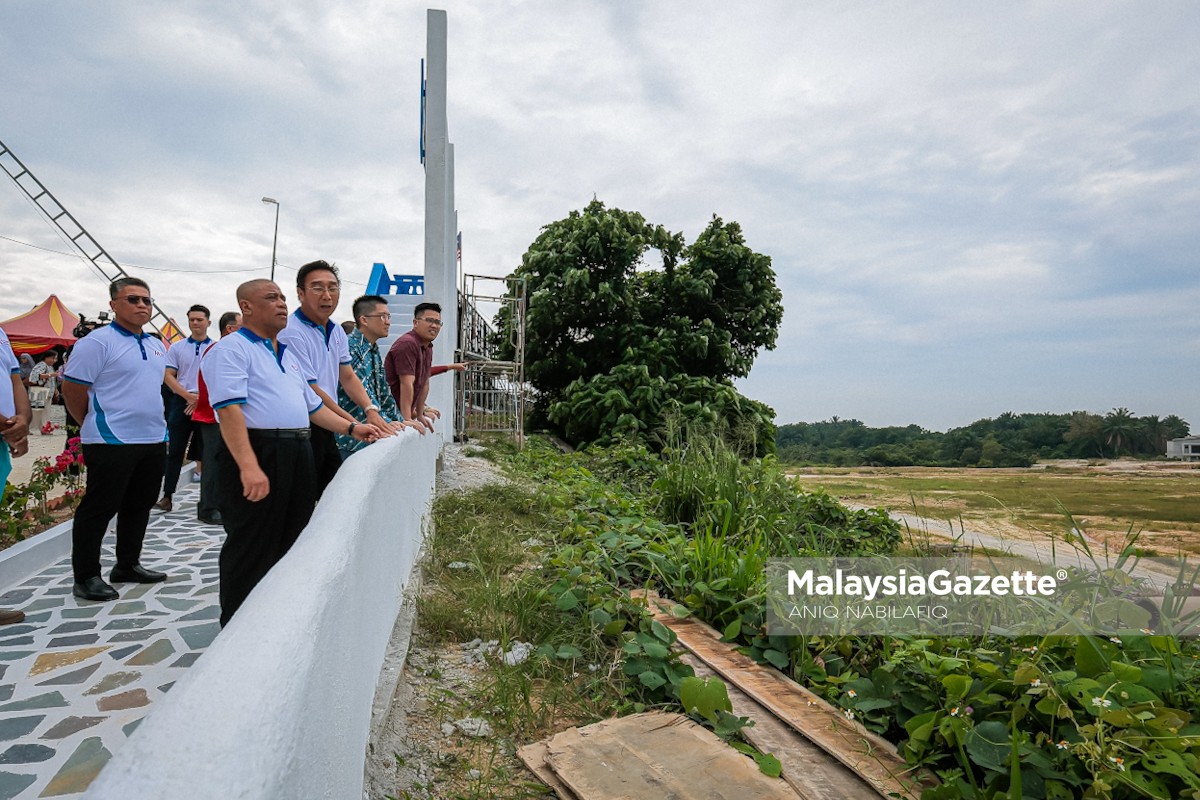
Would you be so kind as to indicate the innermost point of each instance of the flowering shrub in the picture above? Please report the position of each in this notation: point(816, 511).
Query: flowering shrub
point(25, 505)
point(49, 428)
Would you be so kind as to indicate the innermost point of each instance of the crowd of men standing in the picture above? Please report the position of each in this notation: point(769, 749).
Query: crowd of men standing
point(268, 412)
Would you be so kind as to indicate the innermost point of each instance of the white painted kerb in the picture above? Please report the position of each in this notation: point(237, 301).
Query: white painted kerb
point(279, 706)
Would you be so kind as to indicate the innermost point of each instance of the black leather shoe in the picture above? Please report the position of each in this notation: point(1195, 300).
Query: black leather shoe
point(136, 574)
point(214, 519)
point(95, 588)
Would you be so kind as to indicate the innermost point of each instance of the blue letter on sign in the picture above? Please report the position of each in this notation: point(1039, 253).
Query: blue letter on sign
point(383, 283)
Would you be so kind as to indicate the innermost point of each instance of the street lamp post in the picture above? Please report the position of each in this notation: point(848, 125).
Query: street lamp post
point(275, 242)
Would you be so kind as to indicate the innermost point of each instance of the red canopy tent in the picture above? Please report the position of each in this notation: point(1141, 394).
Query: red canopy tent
point(48, 325)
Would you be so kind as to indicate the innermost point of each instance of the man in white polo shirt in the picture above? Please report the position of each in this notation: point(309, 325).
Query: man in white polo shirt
point(323, 351)
point(112, 382)
point(267, 481)
point(15, 416)
point(182, 378)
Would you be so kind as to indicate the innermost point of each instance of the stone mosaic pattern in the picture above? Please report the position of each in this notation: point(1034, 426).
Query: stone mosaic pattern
point(76, 677)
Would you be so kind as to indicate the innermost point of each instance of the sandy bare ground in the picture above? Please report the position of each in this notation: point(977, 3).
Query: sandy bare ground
point(41, 445)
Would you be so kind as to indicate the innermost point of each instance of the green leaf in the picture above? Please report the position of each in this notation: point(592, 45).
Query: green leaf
point(1126, 672)
point(873, 704)
point(656, 650)
point(1172, 763)
point(566, 601)
point(957, 686)
point(769, 765)
point(651, 679)
point(778, 659)
point(988, 745)
point(732, 630)
point(704, 696)
point(568, 651)
point(662, 632)
point(1090, 660)
point(615, 627)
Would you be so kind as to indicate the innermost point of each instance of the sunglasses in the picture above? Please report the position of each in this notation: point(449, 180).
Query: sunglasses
point(138, 300)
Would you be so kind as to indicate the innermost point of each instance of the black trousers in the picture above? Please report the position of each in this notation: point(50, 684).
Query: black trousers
point(180, 429)
point(210, 438)
point(122, 481)
point(326, 456)
point(258, 534)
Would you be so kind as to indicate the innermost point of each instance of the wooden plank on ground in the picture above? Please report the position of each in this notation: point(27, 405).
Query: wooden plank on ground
point(813, 773)
point(871, 756)
point(534, 755)
point(653, 755)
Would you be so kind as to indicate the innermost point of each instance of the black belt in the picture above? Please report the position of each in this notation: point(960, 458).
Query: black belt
point(278, 433)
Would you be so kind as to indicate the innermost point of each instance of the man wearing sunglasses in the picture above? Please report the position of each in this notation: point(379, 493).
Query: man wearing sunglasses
point(112, 382)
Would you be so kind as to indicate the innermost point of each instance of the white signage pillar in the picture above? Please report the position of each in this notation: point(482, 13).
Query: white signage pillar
point(441, 253)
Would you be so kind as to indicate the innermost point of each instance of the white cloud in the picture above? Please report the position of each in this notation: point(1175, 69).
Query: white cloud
point(957, 199)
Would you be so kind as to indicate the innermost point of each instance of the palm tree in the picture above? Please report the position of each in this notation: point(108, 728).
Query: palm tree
point(1177, 428)
point(1120, 429)
point(1084, 434)
point(1154, 434)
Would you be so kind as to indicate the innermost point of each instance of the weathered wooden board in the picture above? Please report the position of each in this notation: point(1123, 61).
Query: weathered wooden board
point(870, 756)
point(813, 773)
point(534, 755)
point(656, 755)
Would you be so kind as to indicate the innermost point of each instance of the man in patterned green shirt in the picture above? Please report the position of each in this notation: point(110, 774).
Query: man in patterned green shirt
point(372, 321)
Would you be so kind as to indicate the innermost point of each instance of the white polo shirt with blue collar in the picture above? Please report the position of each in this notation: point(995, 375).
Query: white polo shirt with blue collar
point(184, 358)
point(320, 349)
point(267, 382)
point(123, 371)
point(8, 366)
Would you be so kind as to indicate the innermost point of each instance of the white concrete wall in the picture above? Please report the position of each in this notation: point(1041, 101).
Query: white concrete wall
point(279, 706)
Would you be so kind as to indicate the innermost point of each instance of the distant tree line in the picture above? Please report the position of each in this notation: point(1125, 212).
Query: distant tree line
point(1009, 440)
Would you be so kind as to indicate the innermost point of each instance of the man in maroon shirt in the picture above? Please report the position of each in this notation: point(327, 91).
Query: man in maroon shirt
point(409, 361)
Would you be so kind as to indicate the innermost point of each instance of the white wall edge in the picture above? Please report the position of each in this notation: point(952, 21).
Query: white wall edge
point(279, 706)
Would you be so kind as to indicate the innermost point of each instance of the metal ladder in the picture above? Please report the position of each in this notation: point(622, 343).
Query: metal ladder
point(54, 211)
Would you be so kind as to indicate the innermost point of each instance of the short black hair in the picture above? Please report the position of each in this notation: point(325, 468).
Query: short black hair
point(365, 303)
point(207, 314)
point(116, 286)
point(423, 307)
point(313, 266)
point(227, 319)
point(48, 353)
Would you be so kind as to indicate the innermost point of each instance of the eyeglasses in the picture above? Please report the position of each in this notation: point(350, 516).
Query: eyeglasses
point(325, 288)
point(384, 315)
point(437, 323)
point(137, 300)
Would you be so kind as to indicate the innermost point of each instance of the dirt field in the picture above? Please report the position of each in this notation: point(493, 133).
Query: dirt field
point(1103, 501)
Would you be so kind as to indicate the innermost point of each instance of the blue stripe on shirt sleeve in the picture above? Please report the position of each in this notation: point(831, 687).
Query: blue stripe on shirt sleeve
point(69, 379)
point(237, 401)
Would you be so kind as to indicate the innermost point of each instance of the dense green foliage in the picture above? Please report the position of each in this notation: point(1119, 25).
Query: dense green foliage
point(615, 348)
point(1061, 717)
point(1009, 440)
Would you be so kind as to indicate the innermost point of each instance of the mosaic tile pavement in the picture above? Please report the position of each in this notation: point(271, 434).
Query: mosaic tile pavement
point(76, 677)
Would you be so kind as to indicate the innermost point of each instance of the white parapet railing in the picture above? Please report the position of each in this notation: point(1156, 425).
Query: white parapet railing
point(279, 706)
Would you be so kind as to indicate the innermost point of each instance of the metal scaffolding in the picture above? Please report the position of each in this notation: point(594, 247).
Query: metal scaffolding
point(491, 391)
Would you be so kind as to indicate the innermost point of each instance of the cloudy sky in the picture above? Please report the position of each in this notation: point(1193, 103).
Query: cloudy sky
point(971, 208)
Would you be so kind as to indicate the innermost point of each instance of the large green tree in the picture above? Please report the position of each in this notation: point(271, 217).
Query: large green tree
point(627, 325)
